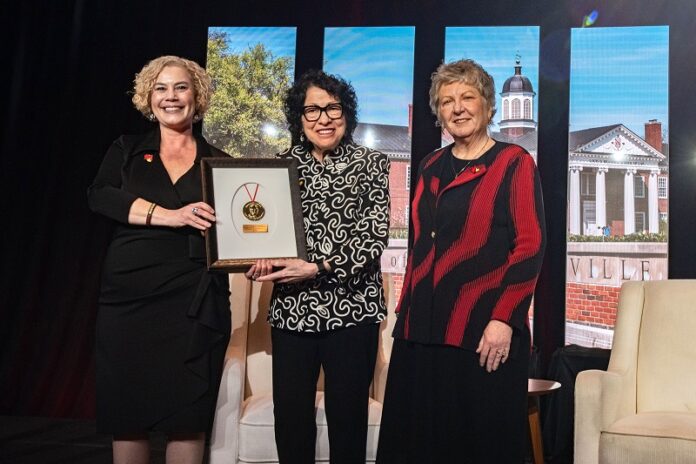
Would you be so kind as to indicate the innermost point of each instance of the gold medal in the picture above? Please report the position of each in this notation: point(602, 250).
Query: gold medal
point(253, 210)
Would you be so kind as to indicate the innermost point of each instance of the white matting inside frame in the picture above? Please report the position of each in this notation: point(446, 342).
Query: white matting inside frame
point(273, 193)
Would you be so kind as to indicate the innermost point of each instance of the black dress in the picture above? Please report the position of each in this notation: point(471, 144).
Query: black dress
point(164, 320)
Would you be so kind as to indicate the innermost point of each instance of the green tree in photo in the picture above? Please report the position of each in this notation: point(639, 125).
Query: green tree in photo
point(246, 112)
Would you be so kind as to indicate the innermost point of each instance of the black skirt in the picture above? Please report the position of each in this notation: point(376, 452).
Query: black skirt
point(162, 331)
point(440, 406)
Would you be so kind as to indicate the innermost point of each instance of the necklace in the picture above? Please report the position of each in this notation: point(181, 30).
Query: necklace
point(478, 154)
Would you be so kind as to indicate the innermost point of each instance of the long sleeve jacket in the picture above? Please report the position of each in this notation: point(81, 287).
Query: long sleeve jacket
point(476, 247)
point(345, 208)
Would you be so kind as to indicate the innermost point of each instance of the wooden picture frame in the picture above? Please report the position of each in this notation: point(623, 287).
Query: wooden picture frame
point(258, 211)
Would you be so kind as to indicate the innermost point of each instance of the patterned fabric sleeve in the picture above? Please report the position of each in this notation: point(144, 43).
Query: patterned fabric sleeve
point(369, 238)
point(524, 262)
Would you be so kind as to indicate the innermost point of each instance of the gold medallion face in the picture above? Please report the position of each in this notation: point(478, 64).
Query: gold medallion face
point(253, 210)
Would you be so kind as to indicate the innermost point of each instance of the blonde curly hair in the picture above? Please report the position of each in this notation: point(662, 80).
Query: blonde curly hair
point(144, 82)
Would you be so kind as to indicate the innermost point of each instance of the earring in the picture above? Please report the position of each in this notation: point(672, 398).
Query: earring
point(197, 117)
point(151, 117)
point(302, 137)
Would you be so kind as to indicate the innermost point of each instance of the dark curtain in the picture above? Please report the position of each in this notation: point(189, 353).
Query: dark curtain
point(69, 72)
point(69, 64)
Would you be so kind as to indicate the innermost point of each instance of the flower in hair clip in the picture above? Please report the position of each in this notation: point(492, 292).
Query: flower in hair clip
point(148, 157)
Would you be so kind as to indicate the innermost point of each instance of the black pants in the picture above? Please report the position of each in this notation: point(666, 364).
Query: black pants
point(348, 358)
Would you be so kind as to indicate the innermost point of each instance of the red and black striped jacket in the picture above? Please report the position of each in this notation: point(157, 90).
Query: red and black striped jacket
point(476, 247)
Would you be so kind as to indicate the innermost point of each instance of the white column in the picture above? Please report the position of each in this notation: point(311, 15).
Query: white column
point(653, 216)
point(601, 198)
point(629, 203)
point(574, 201)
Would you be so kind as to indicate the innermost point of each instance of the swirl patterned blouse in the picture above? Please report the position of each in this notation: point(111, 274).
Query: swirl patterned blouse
point(345, 206)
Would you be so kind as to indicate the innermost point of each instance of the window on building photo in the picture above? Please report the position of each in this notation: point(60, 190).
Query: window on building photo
point(662, 188)
point(640, 221)
point(589, 215)
point(639, 186)
point(588, 183)
point(515, 109)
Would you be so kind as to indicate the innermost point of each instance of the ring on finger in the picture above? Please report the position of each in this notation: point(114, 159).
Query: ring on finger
point(194, 210)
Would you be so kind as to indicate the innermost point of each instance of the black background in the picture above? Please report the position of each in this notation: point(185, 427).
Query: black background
point(68, 67)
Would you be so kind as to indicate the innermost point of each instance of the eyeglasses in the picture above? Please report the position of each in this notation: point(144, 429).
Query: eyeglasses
point(313, 112)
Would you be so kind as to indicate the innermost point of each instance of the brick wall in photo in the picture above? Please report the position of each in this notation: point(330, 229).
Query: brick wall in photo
point(592, 304)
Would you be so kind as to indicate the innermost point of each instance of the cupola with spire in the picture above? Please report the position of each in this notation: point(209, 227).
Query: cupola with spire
point(518, 103)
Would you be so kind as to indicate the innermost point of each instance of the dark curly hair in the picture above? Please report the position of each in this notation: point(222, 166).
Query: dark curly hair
point(334, 86)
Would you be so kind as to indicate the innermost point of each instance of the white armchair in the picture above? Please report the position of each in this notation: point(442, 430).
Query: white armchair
point(243, 427)
point(643, 408)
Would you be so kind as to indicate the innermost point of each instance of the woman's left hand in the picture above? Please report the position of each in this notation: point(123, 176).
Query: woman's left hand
point(261, 268)
point(293, 270)
point(494, 347)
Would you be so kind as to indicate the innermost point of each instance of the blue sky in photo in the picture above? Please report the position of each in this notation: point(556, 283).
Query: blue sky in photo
point(281, 41)
point(378, 62)
point(619, 75)
point(495, 48)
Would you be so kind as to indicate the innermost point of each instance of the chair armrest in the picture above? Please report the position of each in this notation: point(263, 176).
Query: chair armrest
point(224, 440)
point(601, 398)
point(588, 412)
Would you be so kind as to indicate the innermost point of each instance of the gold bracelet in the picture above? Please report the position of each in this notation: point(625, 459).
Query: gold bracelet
point(148, 219)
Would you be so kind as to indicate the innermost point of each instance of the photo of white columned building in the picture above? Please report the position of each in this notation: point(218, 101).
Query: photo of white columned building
point(618, 181)
point(618, 173)
point(617, 223)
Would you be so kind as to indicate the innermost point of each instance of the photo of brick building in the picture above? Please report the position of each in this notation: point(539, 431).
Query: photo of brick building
point(618, 173)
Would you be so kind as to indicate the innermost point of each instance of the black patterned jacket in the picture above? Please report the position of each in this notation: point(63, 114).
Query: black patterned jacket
point(345, 206)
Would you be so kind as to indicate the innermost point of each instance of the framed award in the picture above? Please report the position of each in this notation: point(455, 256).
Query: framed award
point(258, 211)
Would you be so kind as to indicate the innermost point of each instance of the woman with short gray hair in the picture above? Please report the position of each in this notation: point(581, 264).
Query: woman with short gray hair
point(457, 383)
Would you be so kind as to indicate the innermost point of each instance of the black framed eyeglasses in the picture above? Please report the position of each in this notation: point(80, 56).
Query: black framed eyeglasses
point(313, 112)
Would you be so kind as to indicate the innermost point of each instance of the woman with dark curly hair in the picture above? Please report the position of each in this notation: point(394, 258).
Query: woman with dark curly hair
point(164, 320)
point(326, 312)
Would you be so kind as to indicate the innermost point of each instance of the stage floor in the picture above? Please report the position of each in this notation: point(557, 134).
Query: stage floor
point(38, 440)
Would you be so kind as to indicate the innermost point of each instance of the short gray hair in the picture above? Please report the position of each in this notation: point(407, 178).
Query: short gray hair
point(467, 71)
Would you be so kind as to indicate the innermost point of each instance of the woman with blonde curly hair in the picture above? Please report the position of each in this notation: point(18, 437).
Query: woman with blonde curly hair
point(163, 321)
